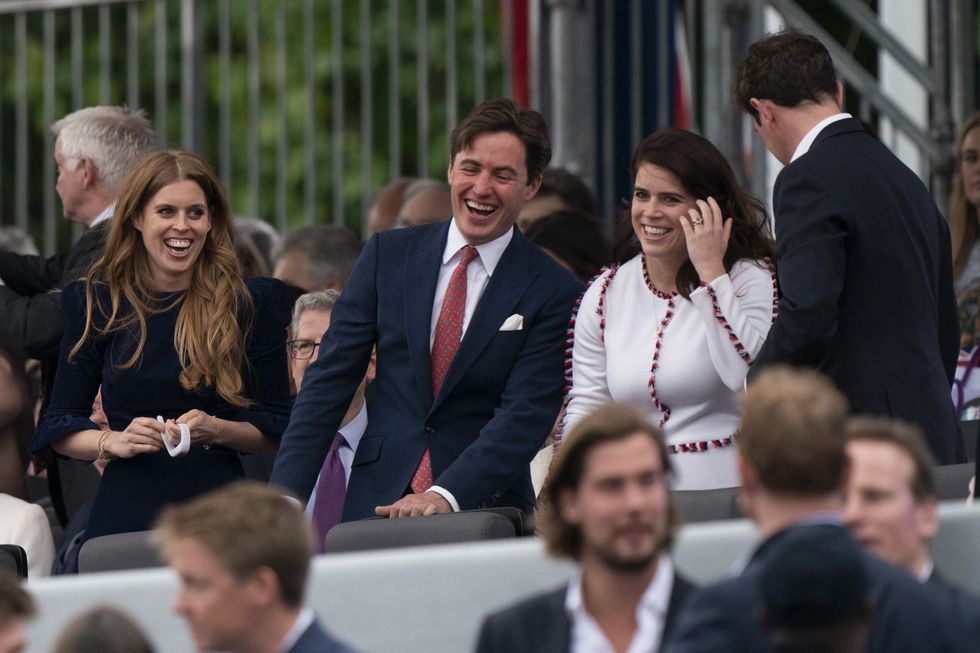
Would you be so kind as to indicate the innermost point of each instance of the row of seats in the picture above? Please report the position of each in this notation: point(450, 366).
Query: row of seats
point(402, 588)
point(133, 550)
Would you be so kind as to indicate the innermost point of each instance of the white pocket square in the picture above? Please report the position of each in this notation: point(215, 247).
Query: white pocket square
point(514, 323)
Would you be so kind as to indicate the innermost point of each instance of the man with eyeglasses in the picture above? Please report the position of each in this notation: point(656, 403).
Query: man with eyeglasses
point(311, 319)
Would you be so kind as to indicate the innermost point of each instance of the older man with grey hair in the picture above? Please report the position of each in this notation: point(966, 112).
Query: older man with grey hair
point(93, 149)
point(311, 319)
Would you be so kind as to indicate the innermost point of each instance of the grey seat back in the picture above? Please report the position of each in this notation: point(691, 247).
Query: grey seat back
point(119, 551)
point(13, 559)
point(464, 526)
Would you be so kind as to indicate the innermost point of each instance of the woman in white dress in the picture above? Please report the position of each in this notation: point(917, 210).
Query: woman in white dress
point(674, 327)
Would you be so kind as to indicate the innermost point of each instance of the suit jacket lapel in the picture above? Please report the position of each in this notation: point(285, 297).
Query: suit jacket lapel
point(510, 280)
point(421, 276)
point(679, 592)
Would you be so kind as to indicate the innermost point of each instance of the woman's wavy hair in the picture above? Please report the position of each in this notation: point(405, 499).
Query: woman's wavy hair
point(215, 312)
point(704, 172)
point(964, 224)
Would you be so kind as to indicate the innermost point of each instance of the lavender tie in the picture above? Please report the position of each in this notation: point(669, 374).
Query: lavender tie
point(330, 490)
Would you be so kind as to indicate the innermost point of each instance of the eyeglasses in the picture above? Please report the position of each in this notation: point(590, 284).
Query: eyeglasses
point(301, 349)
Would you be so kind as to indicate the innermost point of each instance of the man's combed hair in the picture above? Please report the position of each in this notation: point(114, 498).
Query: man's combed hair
point(793, 430)
point(787, 68)
point(246, 525)
point(908, 438)
point(610, 423)
point(113, 138)
point(505, 115)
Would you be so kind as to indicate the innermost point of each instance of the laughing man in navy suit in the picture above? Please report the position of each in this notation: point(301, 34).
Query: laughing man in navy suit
point(863, 254)
point(459, 438)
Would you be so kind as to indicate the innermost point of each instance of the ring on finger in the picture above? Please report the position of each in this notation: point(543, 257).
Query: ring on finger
point(697, 221)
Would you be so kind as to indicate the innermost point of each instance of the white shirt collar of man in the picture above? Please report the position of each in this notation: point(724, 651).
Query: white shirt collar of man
point(105, 215)
point(811, 135)
point(651, 614)
point(490, 253)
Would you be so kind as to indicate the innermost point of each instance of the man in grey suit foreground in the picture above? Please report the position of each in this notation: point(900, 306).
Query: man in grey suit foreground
point(242, 553)
point(607, 506)
point(792, 466)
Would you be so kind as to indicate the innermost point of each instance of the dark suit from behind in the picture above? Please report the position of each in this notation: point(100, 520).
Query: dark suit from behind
point(316, 640)
point(542, 624)
point(33, 321)
point(908, 616)
point(865, 273)
point(496, 405)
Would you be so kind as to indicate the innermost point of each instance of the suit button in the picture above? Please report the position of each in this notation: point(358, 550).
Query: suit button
point(430, 429)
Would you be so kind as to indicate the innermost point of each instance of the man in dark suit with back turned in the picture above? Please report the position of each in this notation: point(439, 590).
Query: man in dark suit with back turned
point(469, 319)
point(862, 252)
point(93, 149)
point(793, 468)
point(608, 506)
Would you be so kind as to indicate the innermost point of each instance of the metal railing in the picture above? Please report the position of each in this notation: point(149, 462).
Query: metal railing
point(304, 107)
point(950, 52)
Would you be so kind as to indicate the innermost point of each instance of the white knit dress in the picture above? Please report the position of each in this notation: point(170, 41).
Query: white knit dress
point(682, 361)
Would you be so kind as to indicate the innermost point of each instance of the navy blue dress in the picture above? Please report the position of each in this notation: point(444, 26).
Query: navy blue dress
point(134, 490)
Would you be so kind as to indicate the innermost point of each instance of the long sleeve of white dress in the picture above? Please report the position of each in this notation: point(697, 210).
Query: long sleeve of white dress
point(705, 349)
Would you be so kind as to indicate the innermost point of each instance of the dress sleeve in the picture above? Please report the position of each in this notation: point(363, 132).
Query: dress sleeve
point(77, 380)
point(268, 370)
point(589, 388)
point(737, 310)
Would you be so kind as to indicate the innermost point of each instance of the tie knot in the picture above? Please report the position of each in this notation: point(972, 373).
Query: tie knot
point(469, 253)
point(337, 441)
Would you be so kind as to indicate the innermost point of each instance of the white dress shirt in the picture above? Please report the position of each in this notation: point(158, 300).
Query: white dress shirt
point(807, 142)
point(651, 614)
point(478, 274)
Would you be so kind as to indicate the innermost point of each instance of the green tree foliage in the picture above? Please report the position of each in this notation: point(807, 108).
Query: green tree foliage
point(104, 58)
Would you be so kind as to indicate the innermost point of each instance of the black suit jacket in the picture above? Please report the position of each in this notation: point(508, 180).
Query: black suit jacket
point(866, 282)
point(542, 625)
point(316, 640)
point(29, 303)
point(908, 616)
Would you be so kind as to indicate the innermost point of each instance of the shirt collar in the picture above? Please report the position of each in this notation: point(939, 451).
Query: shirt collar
point(105, 215)
point(303, 621)
point(490, 253)
point(811, 135)
point(354, 430)
point(926, 570)
point(655, 599)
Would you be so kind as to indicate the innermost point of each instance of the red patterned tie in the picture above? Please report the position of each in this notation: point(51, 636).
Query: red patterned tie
point(449, 332)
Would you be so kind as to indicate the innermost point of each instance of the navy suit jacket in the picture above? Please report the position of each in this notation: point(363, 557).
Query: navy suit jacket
point(866, 281)
point(496, 405)
point(541, 624)
point(908, 616)
point(316, 640)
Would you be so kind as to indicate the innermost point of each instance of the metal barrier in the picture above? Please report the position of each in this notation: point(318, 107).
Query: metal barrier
point(305, 107)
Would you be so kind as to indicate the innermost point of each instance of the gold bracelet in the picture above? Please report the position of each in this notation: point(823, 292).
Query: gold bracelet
point(102, 441)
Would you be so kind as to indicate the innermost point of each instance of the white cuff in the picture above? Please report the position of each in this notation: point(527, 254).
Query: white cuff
point(447, 495)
